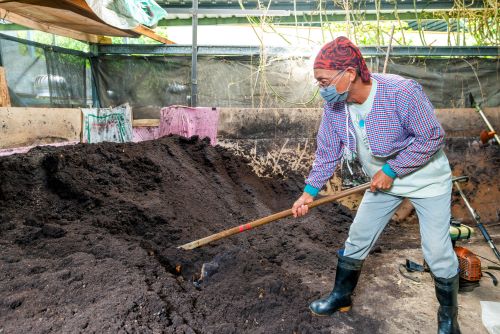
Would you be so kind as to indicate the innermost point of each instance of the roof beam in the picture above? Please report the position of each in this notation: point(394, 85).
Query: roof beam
point(308, 13)
point(186, 50)
point(330, 6)
point(303, 20)
point(143, 30)
point(21, 20)
point(370, 51)
point(230, 11)
point(44, 46)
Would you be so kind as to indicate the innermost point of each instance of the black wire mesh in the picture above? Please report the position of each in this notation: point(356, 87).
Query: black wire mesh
point(43, 77)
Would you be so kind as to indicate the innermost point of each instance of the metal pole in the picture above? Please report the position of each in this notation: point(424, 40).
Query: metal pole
point(483, 116)
point(31, 48)
point(1, 50)
point(194, 56)
point(388, 50)
point(93, 59)
point(477, 219)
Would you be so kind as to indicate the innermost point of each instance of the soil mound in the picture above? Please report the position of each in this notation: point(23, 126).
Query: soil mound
point(88, 238)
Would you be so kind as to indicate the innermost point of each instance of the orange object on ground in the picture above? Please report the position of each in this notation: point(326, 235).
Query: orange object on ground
point(485, 136)
point(469, 264)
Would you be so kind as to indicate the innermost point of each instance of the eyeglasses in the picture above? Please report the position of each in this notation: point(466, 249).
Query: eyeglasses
point(322, 84)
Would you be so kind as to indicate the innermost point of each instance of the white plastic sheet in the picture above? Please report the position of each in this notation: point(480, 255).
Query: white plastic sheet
point(106, 124)
point(491, 316)
point(127, 14)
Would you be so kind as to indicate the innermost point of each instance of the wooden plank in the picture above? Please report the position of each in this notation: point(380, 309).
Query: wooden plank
point(34, 126)
point(69, 18)
point(82, 4)
point(145, 122)
point(4, 90)
point(73, 15)
point(77, 6)
point(151, 34)
point(24, 21)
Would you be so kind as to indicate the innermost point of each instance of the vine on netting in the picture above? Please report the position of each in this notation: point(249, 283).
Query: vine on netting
point(465, 26)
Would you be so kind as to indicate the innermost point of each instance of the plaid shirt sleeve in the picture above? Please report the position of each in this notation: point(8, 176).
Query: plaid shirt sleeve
point(328, 152)
point(421, 123)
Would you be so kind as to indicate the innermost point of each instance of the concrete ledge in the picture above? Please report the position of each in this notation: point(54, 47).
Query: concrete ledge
point(35, 126)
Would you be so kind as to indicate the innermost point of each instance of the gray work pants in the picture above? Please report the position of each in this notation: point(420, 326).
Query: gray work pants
point(375, 211)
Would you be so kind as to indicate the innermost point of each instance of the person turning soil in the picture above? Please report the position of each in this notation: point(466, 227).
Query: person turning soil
point(387, 124)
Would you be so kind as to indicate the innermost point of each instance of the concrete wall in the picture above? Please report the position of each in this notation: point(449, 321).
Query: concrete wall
point(35, 126)
point(269, 123)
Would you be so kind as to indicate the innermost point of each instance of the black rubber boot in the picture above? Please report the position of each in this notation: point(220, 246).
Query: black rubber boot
point(346, 279)
point(446, 293)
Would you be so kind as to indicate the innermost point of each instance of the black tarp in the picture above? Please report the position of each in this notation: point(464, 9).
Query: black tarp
point(448, 82)
point(155, 81)
point(42, 76)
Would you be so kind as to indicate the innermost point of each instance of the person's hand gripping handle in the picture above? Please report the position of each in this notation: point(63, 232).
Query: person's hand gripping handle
point(381, 181)
point(300, 207)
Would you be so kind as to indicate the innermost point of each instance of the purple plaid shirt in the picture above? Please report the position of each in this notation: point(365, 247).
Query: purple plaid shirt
point(401, 126)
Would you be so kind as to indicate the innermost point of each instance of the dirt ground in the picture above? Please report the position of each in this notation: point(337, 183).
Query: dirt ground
point(88, 238)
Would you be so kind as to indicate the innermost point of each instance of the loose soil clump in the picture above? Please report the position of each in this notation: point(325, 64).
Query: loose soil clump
point(88, 237)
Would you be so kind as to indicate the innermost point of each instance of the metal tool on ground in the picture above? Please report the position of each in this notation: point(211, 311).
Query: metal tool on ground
point(271, 218)
point(492, 131)
point(411, 267)
point(475, 215)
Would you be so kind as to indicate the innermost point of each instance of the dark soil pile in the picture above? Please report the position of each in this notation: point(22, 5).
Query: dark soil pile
point(88, 238)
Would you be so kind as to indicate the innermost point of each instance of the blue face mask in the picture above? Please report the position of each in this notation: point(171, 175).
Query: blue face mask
point(331, 95)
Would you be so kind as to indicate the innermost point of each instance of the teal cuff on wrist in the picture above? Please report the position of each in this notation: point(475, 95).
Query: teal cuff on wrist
point(311, 190)
point(388, 171)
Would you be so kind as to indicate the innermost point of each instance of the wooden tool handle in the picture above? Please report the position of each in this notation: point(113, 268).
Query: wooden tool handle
point(271, 218)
